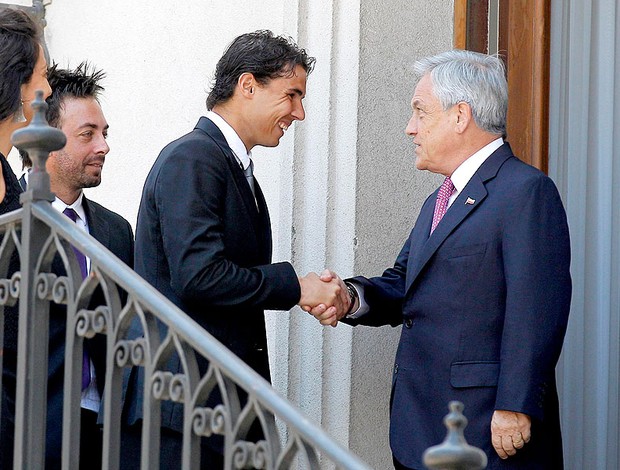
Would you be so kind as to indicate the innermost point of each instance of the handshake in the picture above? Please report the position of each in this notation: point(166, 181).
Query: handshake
point(326, 297)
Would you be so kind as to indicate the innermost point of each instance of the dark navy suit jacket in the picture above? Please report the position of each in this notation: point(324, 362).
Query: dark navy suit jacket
point(484, 303)
point(202, 241)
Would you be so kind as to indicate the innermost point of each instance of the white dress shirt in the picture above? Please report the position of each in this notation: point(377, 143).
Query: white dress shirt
point(232, 139)
point(469, 167)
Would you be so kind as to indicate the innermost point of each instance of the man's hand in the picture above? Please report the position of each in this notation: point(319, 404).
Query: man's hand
point(324, 297)
point(331, 315)
point(510, 431)
point(325, 315)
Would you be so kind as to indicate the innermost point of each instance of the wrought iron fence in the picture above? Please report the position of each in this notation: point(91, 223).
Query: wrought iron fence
point(38, 234)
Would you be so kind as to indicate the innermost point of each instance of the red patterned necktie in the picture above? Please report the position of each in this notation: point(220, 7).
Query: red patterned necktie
point(441, 204)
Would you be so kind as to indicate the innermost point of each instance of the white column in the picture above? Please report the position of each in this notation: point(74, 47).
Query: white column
point(317, 213)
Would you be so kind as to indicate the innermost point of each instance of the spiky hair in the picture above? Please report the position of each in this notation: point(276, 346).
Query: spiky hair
point(82, 82)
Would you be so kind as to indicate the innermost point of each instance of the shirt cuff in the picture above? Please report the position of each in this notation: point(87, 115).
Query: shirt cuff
point(362, 308)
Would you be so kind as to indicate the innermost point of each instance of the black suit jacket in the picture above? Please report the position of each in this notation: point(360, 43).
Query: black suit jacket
point(484, 303)
point(115, 233)
point(204, 244)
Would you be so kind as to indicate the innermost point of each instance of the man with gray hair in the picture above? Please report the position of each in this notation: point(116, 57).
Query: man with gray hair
point(482, 286)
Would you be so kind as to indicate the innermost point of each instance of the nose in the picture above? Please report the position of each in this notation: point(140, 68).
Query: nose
point(298, 112)
point(412, 126)
point(47, 90)
point(102, 147)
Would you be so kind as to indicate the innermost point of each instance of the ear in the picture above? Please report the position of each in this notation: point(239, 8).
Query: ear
point(464, 116)
point(246, 84)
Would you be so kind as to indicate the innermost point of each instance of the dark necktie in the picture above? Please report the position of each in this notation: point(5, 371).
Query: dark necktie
point(83, 268)
point(441, 204)
point(249, 175)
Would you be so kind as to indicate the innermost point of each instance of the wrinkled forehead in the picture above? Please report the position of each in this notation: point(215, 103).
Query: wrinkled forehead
point(423, 91)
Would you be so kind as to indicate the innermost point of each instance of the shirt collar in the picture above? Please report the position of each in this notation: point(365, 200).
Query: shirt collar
point(232, 139)
point(77, 206)
point(466, 170)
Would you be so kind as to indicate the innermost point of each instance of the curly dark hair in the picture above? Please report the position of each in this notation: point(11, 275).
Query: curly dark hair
point(20, 38)
point(260, 53)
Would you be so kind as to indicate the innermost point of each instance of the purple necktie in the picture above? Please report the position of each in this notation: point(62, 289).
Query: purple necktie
point(441, 204)
point(82, 262)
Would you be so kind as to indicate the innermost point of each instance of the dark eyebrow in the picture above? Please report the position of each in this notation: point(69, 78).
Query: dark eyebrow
point(90, 125)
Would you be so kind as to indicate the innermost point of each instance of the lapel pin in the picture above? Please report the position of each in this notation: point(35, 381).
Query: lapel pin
point(470, 201)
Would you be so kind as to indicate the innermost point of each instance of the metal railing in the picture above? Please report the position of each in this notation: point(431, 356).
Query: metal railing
point(38, 234)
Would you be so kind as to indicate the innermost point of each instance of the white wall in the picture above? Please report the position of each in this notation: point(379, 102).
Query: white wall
point(341, 186)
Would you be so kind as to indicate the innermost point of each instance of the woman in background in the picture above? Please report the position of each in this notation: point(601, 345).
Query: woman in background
point(23, 70)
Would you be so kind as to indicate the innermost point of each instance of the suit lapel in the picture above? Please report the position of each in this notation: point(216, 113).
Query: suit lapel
point(207, 126)
point(243, 186)
point(97, 226)
point(22, 182)
point(423, 246)
point(256, 208)
point(264, 229)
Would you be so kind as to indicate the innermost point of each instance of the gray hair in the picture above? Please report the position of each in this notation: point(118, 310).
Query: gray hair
point(477, 79)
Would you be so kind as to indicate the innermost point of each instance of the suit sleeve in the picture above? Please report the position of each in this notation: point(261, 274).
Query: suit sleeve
point(191, 217)
point(132, 245)
point(536, 256)
point(127, 249)
point(384, 294)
